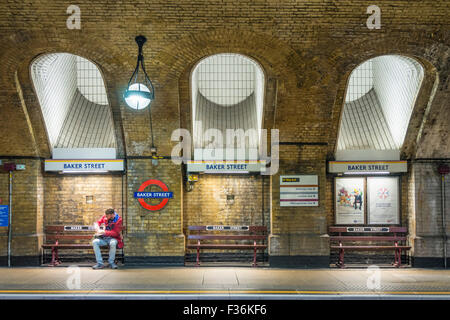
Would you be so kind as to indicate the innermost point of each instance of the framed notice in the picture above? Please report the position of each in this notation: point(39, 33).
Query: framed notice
point(4, 216)
point(299, 191)
point(383, 200)
point(349, 200)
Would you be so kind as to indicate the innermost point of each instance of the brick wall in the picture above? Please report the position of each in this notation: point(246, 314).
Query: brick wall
point(207, 204)
point(154, 236)
point(307, 50)
point(27, 209)
point(296, 231)
point(427, 214)
point(67, 198)
point(4, 195)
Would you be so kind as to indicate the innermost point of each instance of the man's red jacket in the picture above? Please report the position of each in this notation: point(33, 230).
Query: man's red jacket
point(112, 228)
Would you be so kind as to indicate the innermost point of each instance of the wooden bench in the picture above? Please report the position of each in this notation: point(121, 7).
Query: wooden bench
point(73, 237)
point(386, 238)
point(255, 234)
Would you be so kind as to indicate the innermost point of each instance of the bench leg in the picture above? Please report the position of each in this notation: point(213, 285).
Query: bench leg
point(198, 257)
point(254, 255)
point(340, 263)
point(53, 263)
point(55, 257)
point(398, 258)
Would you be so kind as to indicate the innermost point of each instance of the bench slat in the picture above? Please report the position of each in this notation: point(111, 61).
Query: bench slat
point(60, 228)
point(227, 246)
point(366, 238)
point(54, 237)
point(67, 246)
point(370, 247)
point(227, 237)
point(251, 229)
point(71, 246)
point(343, 229)
point(54, 229)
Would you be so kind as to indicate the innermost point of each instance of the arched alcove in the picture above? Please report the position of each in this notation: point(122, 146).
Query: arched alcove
point(227, 94)
point(73, 100)
point(379, 101)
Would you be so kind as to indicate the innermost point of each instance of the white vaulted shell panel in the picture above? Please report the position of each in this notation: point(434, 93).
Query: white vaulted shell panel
point(397, 81)
point(380, 97)
point(227, 94)
point(55, 84)
point(363, 125)
point(87, 125)
point(73, 100)
point(241, 116)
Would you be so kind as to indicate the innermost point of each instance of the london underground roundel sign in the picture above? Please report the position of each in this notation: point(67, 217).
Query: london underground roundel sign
point(165, 195)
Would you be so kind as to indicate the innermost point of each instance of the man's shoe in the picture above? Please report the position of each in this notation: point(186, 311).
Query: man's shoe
point(98, 266)
point(113, 266)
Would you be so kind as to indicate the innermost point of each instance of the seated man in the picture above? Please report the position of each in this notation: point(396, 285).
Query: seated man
point(109, 236)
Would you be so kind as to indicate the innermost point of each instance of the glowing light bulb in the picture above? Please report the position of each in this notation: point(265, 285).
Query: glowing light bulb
point(138, 96)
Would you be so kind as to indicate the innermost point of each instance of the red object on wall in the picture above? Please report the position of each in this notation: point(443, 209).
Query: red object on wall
point(444, 169)
point(9, 166)
point(162, 203)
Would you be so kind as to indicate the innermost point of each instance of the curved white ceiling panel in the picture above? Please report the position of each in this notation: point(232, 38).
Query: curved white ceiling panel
point(227, 93)
point(380, 97)
point(73, 100)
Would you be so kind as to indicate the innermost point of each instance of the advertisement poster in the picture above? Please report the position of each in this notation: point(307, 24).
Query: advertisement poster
point(383, 206)
point(349, 200)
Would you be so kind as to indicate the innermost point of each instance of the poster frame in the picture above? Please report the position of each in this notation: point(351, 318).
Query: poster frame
point(366, 223)
point(399, 202)
point(364, 201)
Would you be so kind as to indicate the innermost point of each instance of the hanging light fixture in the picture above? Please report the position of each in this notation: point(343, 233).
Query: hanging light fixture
point(140, 92)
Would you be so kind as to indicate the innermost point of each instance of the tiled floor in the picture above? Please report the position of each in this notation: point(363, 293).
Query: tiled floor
point(224, 280)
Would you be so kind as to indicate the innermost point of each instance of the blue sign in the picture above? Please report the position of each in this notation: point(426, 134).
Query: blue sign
point(4, 216)
point(153, 195)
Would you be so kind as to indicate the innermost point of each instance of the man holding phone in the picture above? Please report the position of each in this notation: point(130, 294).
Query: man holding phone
point(109, 235)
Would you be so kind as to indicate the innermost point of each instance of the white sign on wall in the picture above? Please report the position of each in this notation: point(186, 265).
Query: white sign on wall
point(228, 228)
point(365, 167)
point(84, 165)
point(383, 200)
point(349, 200)
point(225, 166)
point(299, 191)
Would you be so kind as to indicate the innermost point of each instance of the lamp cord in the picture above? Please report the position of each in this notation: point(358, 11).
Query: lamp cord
point(151, 125)
point(140, 40)
point(141, 59)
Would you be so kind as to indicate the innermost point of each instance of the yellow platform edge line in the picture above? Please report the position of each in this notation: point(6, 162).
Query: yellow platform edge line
point(293, 292)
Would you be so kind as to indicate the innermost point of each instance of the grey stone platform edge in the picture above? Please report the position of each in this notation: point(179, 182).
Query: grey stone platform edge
point(223, 283)
point(306, 262)
point(230, 296)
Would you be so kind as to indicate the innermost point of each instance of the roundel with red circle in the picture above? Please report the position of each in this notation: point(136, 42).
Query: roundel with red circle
point(165, 195)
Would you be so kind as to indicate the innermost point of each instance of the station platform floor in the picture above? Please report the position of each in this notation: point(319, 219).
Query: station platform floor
point(222, 283)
